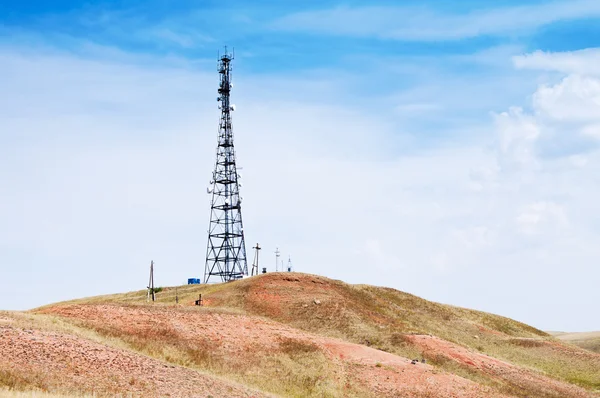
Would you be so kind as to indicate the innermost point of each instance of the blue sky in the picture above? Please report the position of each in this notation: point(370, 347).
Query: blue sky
point(449, 150)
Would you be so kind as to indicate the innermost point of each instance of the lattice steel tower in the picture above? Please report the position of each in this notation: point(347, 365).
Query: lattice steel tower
point(226, 250)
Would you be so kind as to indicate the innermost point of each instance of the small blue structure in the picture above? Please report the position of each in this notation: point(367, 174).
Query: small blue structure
point(193, 281)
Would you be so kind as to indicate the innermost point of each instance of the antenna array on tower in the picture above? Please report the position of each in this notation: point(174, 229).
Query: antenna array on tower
point(226, 250)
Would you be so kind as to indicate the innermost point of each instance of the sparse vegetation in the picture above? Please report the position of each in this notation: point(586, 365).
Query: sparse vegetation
point(296, 369)
point(13, 380)
point(380, 318)
point(40, 394)
point(589, 341)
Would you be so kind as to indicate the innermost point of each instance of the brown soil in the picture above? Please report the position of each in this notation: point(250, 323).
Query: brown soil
point(388, 375)
point(239, 338)
point(297, 335)
point(63, 363)
point(439, 349)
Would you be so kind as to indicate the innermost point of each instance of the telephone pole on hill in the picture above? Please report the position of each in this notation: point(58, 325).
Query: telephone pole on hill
point(226, 250)
point(255, 262)
point(151, 283)
point(277, 255)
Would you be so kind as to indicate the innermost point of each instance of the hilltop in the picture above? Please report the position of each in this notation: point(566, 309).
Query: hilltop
point(286, 334)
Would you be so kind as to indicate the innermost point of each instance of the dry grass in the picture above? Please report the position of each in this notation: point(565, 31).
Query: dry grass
point(562, 362)
point(38, 384)
point(29, 382)
point(50, 323)
point(590, 345)
point(34, 385)
point(6, 393)
point(588, 340)
point(377, 317)
point(12, 380)
point(296, 369)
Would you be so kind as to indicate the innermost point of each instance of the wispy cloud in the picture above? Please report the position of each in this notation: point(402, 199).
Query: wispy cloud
point(425, 24)
point(585, 62)
point(123, 27)
point(170, 36)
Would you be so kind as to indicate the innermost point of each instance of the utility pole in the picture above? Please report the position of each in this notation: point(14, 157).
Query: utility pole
point(226, 250)
point(151, 283)
point(277, 255)
point(255, 262)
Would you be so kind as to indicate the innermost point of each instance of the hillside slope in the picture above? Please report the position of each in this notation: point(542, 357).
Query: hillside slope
point(303, 335)
point(588, 340)
point(46, 355)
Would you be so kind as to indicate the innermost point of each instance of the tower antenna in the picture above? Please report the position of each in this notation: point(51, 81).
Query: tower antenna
point(225, 250)
point(255, 262)
point(289, 264)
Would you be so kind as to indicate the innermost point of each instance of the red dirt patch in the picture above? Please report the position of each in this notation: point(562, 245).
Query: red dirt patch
point(434, 347)
point(389, 375)
point(239, 338)
point(65, 363)
point(483, 329)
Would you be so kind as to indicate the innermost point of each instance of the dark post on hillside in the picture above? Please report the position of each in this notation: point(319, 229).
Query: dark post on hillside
point(151, 282)
point(255, 262)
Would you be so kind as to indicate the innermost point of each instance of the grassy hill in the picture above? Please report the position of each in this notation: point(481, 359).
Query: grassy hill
point(292, 334)
point(588, 340)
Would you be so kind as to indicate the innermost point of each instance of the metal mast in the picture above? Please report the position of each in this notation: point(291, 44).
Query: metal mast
point(255, 262)
point(151, 290)
point(277, 255)
point(226, 250)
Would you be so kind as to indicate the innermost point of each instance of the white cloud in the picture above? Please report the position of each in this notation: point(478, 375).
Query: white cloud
point(582, 62)
point(575, 99)
point(542, 217)
point(422, 24)
point(517, 133)
point(564, 119)
point(592, 130)
point(579, 160)
point(168, 36)
point(378, 257)
point(417, 108)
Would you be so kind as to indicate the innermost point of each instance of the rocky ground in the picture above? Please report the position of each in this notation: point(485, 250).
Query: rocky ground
point(53, 361)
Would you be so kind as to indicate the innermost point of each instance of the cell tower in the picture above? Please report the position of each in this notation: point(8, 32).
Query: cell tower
point(226, 250)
